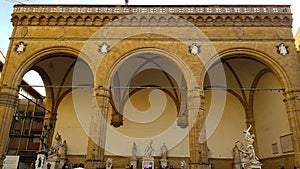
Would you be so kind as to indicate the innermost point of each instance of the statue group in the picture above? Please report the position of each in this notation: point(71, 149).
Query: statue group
point(59, 148)
point(148, 156)
point(149, 150)
point(245, 154)
point(56, 154)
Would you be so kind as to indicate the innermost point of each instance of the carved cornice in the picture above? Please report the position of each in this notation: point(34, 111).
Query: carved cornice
point(53, 15)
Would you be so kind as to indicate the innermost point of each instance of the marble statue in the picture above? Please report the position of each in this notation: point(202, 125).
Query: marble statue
point(163, 151)
point(40, 162)
point(20, 47)
point(104, 49)
point(282, 49)
point(53, 153)
point(149, 150)
point(248, 152)
point(63, 149)
point(109, 163)
point(194, 49)
point(236, 153)
point(134, 151)
point(183, 164)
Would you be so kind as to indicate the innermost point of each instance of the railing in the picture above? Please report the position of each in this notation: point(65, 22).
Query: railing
point(89, 9)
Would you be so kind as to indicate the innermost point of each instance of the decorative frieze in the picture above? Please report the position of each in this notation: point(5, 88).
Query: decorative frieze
point(247, 9)
point(152, 15)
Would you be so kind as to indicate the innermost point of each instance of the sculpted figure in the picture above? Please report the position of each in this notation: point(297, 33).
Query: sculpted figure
point(109, 163)
point(55, 146)
point(63, 149)
point(149, 150)
point(134, 151)
point(164, 151)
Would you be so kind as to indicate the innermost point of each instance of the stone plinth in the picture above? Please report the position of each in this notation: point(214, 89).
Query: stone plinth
point(133, 163)
point(40, 162)
point(55, 163)
point(163, 163)
point(253, 166)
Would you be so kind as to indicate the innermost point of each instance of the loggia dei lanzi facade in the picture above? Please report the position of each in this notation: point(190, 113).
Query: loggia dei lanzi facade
point(190, 76)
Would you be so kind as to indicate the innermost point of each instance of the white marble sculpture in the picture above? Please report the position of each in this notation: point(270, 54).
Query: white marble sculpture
point(164, 151)
point(53, 153)
point(248, 152)
point(149, 150)
point(134, 151)
point(20, 47)
point(183, 165)
point(63, 149)
point(109, 163)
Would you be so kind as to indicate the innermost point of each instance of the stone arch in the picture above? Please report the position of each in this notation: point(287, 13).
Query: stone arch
point(33, 59)
point(43, 20)
point(248, 20)
point(267, 20)
point(171, 20)
point(70, 20)
point(143, 20)
point(260, 56)
point(238, 19)
point(124, 20)
point(152, 20)
point(106, 20)
point(190, 19)
point(249, 107)
point(187, 74)
point(61, 20)
point(24, 20)
point(276, 20)
point(107, 71)
point(88, 20)
point(219, 20)
point(209, 20)
point(79, 20)
point(97, 20)
point(34, 20)
point(52, 20)
point(162, 20)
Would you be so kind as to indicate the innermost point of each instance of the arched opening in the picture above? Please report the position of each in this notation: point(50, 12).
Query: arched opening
point(61, 75)
point(254, 97)
point(149, 92)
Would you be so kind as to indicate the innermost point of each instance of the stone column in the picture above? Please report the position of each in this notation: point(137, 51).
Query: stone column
point(98, 127)
point(292, 103)
point(8, 105)
point(198, 151)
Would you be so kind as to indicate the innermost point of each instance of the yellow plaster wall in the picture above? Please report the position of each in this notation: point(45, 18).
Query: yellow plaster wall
point(73, 122)
point(229, 129)
point(149, 115)
point(297, 40)
point(270, 116)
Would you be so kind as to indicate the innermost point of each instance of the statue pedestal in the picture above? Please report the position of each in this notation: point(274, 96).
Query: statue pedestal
point(62, 162)
point(163, 163)
point(55, 163)
point(148, 163)
point(40, 162)
point(133, 163)
point(237, 165)
point(253, 166)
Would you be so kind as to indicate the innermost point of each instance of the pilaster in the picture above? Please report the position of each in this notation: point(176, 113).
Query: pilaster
point(198, 150)
point(292, 103)
point(97, 136)
point(8, 103)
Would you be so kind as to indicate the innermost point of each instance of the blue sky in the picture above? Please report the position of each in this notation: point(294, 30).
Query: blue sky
point(6, 8)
